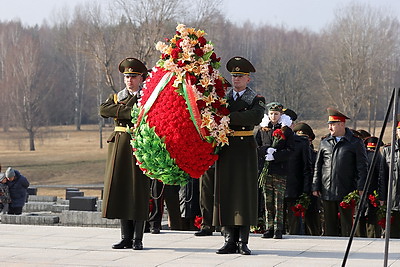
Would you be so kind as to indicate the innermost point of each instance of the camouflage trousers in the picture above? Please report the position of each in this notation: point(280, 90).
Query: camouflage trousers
point(274, 195)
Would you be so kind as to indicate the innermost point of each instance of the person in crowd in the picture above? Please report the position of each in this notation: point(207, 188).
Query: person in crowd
point(299, 177)
point(312, 218)
point(189, 204)
point(368, 225)
point(18, 186)
point(206, 185)
point(126, 188)
point(5, 198)
point(275, 140)
point(169, 194)
point(383, 183)
point(235, 199)
point(340, 168)
point(363, 134)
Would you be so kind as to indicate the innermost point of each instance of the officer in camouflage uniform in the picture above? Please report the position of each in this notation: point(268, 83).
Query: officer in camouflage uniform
point(235, 199)
point(126, 188)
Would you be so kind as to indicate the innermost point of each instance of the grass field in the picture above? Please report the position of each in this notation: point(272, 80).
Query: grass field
point(65, 156)
point(62, 156)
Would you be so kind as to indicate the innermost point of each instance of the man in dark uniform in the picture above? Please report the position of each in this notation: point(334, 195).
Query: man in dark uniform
point(312, 218)
point(368, 225)
point(235, 199)
point(299, 177)
point(384, 179)
point(206, 184)
point(170, 194)
point(126, 188)
point(340, 168)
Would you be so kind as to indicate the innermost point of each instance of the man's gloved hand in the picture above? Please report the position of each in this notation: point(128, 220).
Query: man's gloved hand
point(271, 150)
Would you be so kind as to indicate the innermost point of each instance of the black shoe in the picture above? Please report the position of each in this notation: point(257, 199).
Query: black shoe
point(155, 230)
point(244, 249)
point(268, 234)
point(228, 248)
point(124, 243)
point(138, 245)
point(203, 232)
point(278, 234)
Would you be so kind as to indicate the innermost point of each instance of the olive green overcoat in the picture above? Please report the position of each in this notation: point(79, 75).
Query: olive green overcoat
point(126, 188)
point(236, 197)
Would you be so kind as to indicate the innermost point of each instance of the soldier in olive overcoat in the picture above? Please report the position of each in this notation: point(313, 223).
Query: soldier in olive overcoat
point(235, 199)
point(126, 188)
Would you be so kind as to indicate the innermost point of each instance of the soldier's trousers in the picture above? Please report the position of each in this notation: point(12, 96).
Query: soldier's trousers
point(274, 195)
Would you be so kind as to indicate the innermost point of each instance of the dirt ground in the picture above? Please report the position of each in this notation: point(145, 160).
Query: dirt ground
point(65, 156)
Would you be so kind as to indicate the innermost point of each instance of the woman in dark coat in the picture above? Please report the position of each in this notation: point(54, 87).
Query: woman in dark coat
point(17, 185)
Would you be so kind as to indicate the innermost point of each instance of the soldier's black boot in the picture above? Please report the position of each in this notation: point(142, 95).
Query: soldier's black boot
point(269, 233)
point(126, 235)
point(138, 235)
point(230, 245)
point(244, 233)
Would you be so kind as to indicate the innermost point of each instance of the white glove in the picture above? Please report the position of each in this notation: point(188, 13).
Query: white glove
point(271, 150)
point(269, 157)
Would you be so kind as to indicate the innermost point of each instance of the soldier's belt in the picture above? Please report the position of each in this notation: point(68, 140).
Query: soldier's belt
point(243, 133)
point(119, 129)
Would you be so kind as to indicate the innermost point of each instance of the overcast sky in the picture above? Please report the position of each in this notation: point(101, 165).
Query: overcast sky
point(311, 14)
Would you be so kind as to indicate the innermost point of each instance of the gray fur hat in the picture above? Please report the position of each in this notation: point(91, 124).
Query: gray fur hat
point(2, 176)
point(10, 172)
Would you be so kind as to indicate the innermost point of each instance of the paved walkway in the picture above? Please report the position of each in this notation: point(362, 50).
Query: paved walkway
point(27, 245)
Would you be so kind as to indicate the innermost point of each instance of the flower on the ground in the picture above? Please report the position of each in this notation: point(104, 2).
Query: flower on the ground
point(197, 222)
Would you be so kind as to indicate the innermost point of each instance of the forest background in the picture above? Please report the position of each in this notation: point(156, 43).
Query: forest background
point(57, 75)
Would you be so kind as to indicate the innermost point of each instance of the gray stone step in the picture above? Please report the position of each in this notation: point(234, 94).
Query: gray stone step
point(30, 218)
point(87, 218)
point(36, 198)
point(38, 206)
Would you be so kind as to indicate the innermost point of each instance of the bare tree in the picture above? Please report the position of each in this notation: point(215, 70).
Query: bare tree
point(149, 21)
point(72, 45)
point(359, 40)
point(28, 85)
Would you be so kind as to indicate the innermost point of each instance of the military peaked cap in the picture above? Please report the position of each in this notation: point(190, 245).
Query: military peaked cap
point(336, 116)
point(363, 134)
point(239, 66)
point(274, 106)
point(303, 128)
point(132, 67)
point(372, 142)
point(290, 113)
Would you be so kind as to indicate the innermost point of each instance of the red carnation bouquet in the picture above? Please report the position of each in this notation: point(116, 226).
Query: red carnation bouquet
point(350, 200)
point(301, 206)
point(182, 117)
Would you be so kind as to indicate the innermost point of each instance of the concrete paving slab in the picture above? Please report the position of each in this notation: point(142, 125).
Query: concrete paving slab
point(27, 245)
